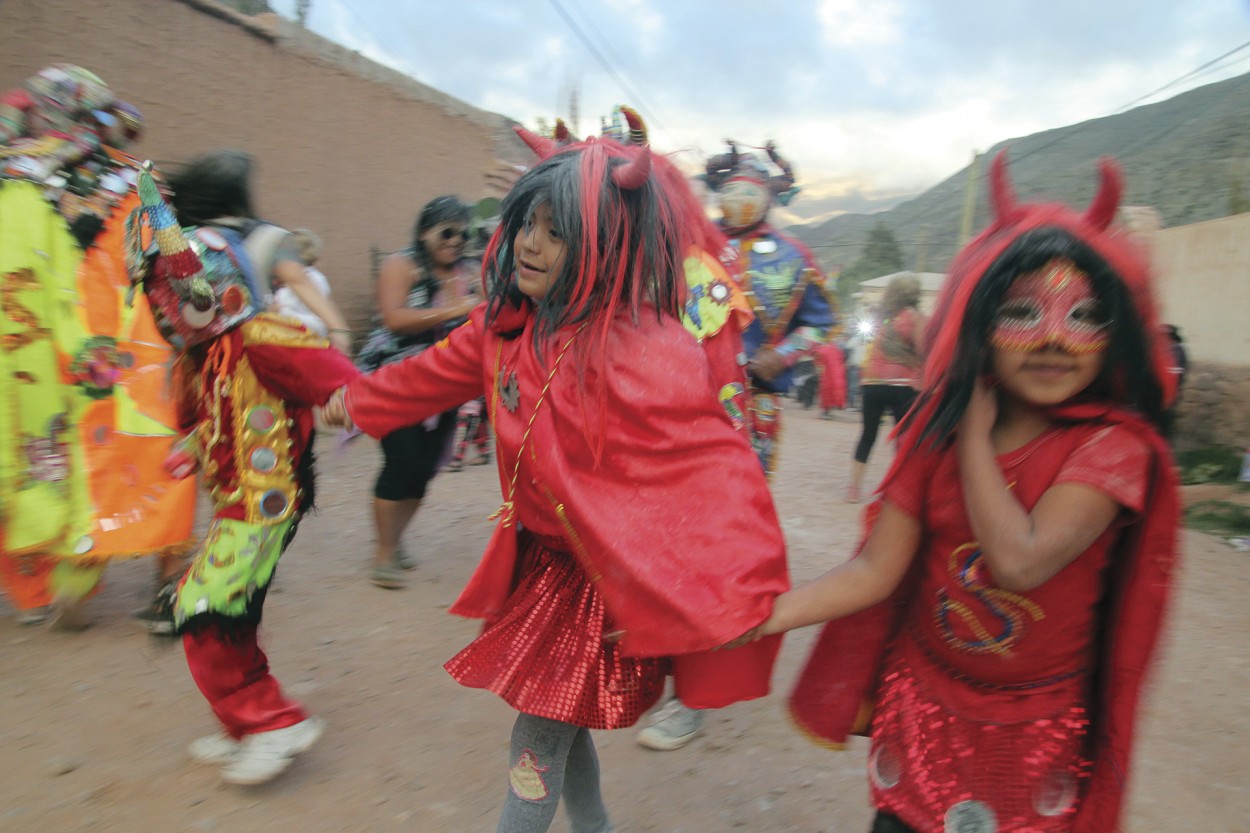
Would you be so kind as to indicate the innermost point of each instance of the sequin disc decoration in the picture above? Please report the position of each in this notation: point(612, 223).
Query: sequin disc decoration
point(273, 503)
point(264, 460)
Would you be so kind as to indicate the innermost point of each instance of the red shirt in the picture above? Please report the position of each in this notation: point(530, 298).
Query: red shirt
point(1005, 637)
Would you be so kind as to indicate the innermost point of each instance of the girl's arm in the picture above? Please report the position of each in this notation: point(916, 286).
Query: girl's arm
point(1022, 549)
point(291, 273)
point(395, 281)
point(411, 390)
point(862, 582)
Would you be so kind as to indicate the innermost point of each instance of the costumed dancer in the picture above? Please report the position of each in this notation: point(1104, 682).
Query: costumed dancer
point(793, 314)
point(614, 560)
point(88, 418)
point(832, 362)
point(1011, 588)
point(249, 381)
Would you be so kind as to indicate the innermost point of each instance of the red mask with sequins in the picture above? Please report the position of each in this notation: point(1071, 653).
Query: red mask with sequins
point(1054, 305)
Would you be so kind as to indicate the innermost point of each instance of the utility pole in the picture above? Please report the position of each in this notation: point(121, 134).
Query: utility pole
point(970, 200)
point(922, 248)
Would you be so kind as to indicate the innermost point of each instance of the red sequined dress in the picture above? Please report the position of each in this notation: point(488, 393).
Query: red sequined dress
point(983, 708)
point(637, 532)
point(993, 710)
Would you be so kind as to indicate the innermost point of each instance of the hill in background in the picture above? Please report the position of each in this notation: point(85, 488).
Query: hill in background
point(1188, 157)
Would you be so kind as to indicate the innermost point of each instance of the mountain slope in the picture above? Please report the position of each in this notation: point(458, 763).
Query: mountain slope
point(1185, 157)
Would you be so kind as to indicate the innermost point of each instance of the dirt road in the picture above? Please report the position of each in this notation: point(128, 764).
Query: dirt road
point(93, 726)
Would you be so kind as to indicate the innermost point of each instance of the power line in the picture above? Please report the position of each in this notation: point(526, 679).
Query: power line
point(1074, 129)
point(604, 63)
point(1174, 82)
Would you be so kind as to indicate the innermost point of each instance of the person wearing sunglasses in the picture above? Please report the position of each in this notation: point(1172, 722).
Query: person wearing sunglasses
point(423, 292)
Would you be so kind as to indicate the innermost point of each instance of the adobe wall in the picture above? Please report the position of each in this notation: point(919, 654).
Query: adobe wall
point(1214, 407)
point(1204, 287)
point(344, 146)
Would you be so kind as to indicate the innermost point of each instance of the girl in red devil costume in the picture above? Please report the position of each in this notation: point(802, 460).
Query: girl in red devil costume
point(1009, 593)
point(616, 558)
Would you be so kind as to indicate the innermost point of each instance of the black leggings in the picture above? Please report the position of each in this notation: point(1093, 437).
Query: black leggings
point(876, 400)
point(410, 458)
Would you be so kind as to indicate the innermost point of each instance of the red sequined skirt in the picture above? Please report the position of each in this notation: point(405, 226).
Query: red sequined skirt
point(546, 654)
point(943, 767)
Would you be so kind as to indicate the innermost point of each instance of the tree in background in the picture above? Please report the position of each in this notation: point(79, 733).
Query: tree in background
point(1237, 202)
point(882, 256)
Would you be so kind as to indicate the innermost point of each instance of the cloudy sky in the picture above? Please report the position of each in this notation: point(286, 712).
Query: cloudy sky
point(872, 101)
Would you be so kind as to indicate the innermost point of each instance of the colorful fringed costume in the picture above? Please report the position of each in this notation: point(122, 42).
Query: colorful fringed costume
point(249, 383)
point(993, 710)
point(785, 284)
point(86, 374)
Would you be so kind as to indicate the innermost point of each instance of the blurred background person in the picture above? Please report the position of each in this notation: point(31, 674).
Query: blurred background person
point(215, 190)
point(286, 302)
point(423, 293)
point(86, 419)
point(891, 372)
point(832, 362)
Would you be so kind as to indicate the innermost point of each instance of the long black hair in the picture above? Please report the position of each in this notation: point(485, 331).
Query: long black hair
point(1127, 376)
point(213, 186)
point(626, 243)
point(444, 209)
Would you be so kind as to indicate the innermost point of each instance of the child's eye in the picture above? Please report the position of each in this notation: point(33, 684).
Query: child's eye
point(1019, 312)
point(1089, 314)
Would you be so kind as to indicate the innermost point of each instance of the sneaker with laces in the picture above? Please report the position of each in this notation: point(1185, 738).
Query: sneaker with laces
point(263, 756)
point(672, 727)
point(213, 749)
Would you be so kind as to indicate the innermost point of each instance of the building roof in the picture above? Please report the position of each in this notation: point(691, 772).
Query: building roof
point(929, 281)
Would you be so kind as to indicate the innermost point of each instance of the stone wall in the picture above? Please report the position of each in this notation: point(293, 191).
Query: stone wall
point(344, 146)
point(1214, 408)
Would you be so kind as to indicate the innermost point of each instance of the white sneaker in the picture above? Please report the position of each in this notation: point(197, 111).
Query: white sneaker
point(672, 727)
point(213, 749)
point(265, 755)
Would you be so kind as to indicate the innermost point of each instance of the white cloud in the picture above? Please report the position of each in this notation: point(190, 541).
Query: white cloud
point(857, 24)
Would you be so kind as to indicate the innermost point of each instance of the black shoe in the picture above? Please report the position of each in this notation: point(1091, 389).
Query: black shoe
point(158, 617)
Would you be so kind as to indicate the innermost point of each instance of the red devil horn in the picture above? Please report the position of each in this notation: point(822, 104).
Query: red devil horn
point(1002, 199)
point(637, 128)
point(1102, 210)
point(632, 175)
point(541, 145)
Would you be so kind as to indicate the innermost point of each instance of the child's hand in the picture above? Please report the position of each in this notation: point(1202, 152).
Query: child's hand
point(746, 639)
point(334, 412)
point(767, 364)
point(978, 419)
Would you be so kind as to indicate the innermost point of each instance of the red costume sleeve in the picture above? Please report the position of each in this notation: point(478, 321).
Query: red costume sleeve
point(1115, 461)
point(293, 363)
point(409, 391)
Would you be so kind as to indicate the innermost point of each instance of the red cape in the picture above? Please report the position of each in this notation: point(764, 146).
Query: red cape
point(631, 459)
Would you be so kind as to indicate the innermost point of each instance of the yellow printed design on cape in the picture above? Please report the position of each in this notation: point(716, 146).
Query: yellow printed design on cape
point(86, 415)
point(712, 296)
point(43, 485)
point(130, 423)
